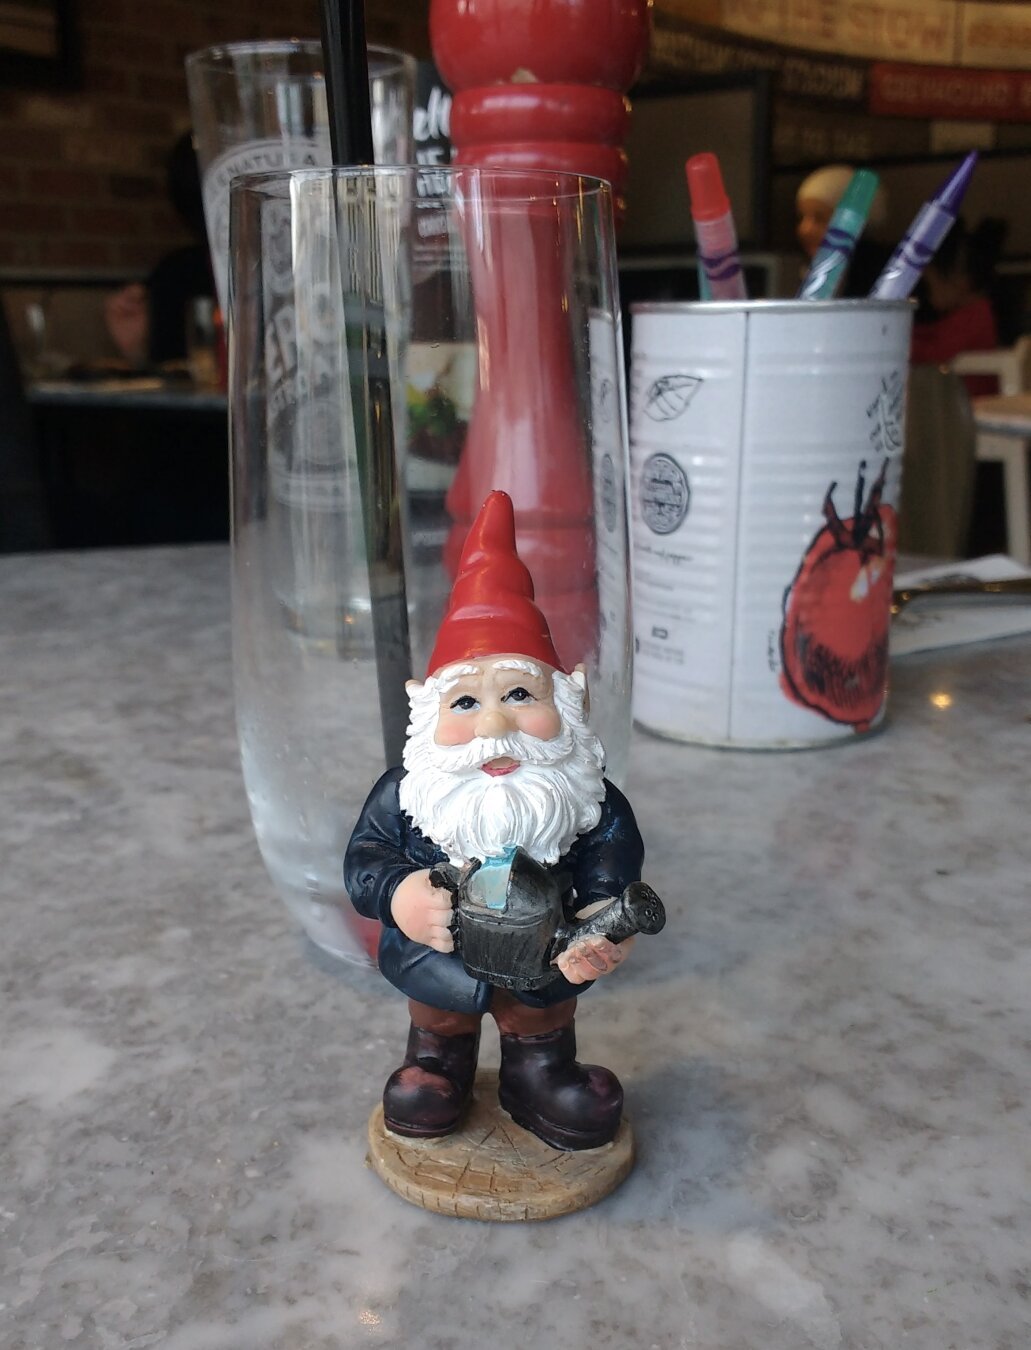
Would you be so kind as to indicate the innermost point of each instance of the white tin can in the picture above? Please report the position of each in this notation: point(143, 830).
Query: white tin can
point(766, 456)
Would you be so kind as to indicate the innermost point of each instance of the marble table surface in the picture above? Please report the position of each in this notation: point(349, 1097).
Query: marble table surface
point(826, 1058)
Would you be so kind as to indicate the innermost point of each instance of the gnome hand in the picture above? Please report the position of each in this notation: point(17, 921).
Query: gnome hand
point(423, 912)
point(590, 957)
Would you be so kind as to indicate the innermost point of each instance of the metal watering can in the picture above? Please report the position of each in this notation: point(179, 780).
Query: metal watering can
point(509, 919)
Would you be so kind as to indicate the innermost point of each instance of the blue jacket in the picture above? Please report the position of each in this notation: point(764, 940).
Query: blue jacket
point(385, 847)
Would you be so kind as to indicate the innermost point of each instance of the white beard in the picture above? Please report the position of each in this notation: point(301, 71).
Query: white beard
point(552, 797)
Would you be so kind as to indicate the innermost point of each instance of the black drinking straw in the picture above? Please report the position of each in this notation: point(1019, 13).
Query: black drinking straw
point(346, 66)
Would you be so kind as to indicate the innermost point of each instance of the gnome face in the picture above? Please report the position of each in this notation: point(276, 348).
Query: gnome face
point(496, 697)
point(499, 753)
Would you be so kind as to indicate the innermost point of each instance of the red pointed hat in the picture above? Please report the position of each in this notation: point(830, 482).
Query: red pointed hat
point(491, 608)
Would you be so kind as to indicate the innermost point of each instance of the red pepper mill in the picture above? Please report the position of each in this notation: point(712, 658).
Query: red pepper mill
point(537, 84)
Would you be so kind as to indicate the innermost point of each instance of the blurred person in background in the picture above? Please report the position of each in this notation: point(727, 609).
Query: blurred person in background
point(815, 200)
point(956, 311)
point(147, 320)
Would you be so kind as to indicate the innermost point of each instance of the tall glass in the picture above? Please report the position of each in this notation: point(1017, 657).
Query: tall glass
point(436, 334)
point(261, 106)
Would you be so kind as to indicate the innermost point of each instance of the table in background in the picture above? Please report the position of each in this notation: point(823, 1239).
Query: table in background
point(124, 462)
point(1003, 423)
point(825, 1055)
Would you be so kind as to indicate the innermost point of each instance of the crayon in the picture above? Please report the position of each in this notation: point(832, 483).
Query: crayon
point(921, 241)
point(719, 267)
point(832, 257)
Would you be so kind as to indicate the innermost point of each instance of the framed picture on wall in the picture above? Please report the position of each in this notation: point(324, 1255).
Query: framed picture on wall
point(728, 115)
point(37, 43)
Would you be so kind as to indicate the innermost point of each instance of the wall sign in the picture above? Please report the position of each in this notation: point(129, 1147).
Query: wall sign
point(933, 32)
point(949, 92)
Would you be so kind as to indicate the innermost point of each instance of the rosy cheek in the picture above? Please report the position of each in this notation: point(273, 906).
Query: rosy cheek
point(542, 722)
point(454, 728)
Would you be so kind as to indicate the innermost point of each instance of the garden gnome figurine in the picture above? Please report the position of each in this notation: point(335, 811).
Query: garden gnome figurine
point(500, 764)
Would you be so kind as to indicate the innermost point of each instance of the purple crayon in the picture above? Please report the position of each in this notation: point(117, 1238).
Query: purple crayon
point(932, 223)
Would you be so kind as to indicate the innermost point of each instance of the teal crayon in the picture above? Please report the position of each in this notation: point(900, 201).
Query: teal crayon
point(835, 252)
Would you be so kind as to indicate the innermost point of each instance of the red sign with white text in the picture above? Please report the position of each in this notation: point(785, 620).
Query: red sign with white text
point(949, 92)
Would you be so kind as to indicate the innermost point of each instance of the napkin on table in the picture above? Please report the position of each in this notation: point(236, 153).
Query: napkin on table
point(953, 620)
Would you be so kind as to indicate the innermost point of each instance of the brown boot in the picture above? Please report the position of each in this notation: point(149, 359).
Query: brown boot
point(542, 1087)
point(426, 1097)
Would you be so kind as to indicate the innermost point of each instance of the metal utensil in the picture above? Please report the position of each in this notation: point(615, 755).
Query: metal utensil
point(1006, 588)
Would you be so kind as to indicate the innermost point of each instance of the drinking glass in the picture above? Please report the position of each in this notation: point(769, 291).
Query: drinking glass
point(261, 106)
point(403, 341)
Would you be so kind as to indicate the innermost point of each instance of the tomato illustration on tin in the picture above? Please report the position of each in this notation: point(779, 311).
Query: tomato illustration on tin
point(837, 611)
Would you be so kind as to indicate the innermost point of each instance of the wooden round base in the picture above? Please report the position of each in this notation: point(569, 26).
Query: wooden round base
point(492, 1168)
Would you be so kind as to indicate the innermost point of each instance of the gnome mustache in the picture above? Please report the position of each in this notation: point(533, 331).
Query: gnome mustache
point(517, 745)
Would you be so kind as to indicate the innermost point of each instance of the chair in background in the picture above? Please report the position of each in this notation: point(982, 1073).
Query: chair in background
point(1010, 365)
point(24, 518)
point(1012, 368)
point(938, 465)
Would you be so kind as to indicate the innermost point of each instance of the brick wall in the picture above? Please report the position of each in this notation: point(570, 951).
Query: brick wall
point(83, 171)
